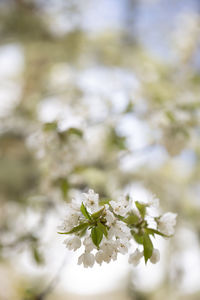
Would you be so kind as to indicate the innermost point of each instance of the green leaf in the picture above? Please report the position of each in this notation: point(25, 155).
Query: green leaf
point(37, 256)
point(51, 126)
point(129, 108)
point(142, 208)
point(131, 219)
point(102, 228)
point(154, 231)
point(85, 212)
point(80, 227)
point(137, 237)
point(170, 116)
point(148, 247)
point(82, 232)
point(96, 235)
point(97, 214)
point(64, 135)
point(104, 201)
point(64, 185)
point(75, 131)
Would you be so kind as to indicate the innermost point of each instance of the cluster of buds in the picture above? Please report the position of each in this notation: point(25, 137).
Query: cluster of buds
point(106, 228)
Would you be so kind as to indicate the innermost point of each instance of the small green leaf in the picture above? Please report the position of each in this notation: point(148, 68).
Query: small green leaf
point(104, 201)
point(85, 212)
point(80, 227)
point(131, 219)
point(96, 235)
point(142, 208)
point(64, 135)
point(37, 256)
point(82, 232)
point(64, 185)
point(75, 131)
point(51, 126)
point(137, 237)
point(148, 247)
point(97, 214)
point(102, 228)
point(129, 108)
point(154, 231)
point(170, 116)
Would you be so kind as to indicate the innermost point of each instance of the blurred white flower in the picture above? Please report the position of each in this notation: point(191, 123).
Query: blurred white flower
point(135, 257)
point(73, 243)
point(109, 249)
point(87, 259)
point(120, 230)
point(121, 207)
point(123, 246)
point(155, 256)
point(110, 218)
point(99, 257)
point(167, 222)
point(89, 246)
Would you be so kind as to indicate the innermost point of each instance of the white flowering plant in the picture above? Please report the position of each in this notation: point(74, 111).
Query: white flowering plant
point(106, 228)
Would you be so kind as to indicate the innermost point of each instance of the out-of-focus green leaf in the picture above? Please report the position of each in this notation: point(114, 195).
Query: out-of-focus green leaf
point(75, 131)
point(51, 126)
point(64, 135)
point(37, 256)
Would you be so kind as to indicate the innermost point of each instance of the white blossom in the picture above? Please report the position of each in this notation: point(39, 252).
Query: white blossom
point(121, 207)
point(110, 218)
point(167, 222)
point(123, 246)
point(72, 217)
point(91, 200)
point(120, 230)
point(153, 201)
point(155, 256)
point(73, 243)
point(109, 249)
point(113, 229)
point(99, 257)
point(87, 259)
point(135, 257)
point(89, 246)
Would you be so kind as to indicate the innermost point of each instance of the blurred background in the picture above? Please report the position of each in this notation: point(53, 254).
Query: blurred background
point(103, 95)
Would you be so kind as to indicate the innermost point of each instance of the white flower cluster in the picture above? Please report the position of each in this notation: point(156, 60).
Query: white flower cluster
point(106, 229)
